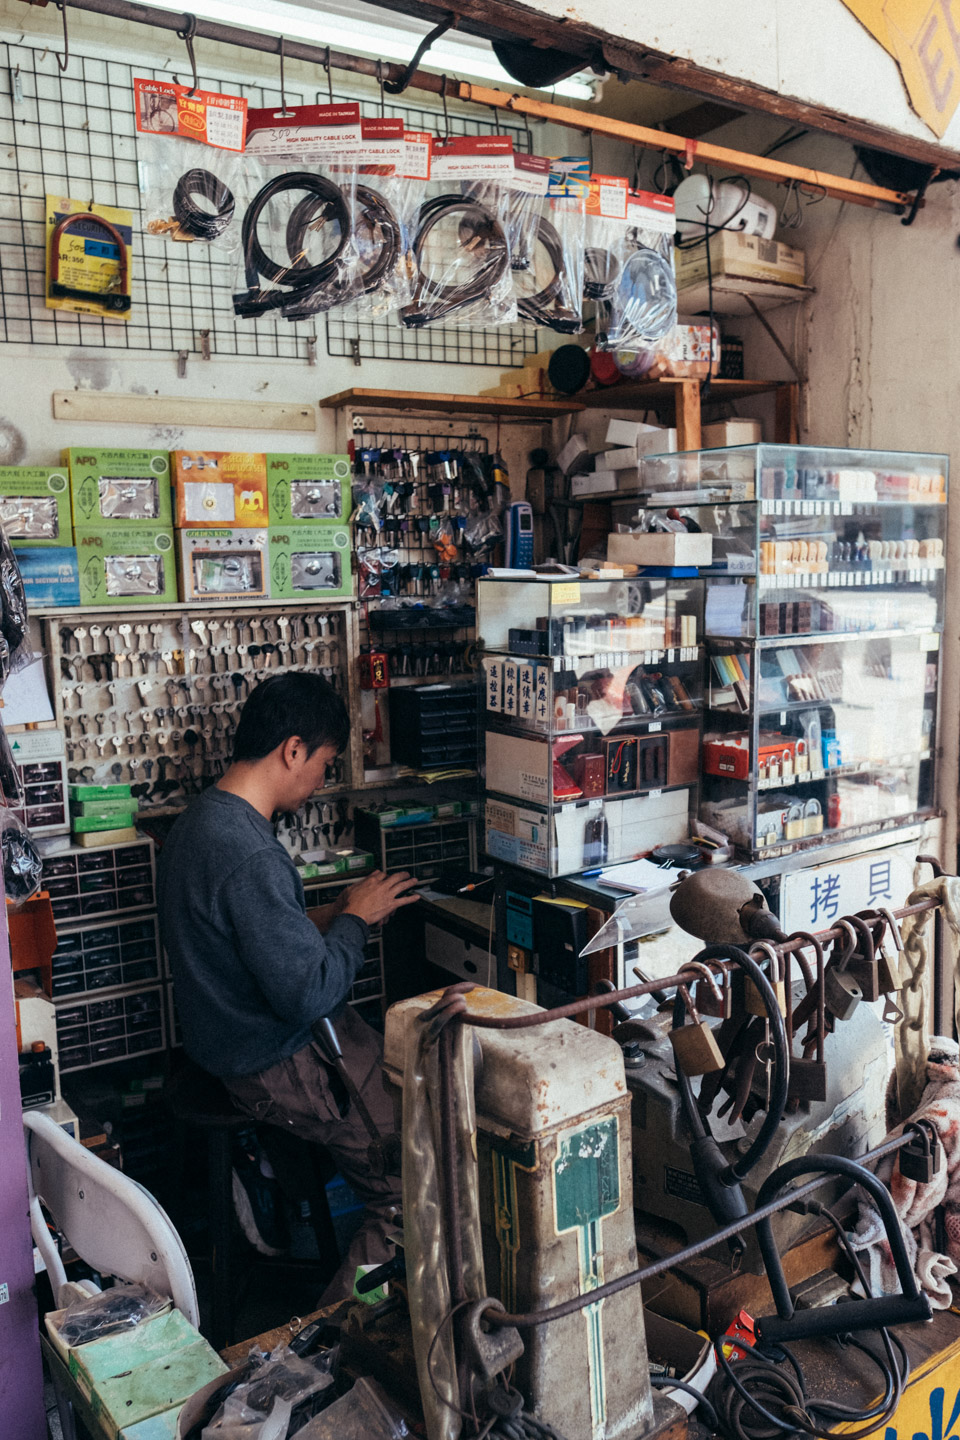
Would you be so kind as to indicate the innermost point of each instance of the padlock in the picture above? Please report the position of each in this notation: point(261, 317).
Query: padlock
point(786, 764)
point(754, 1001)
point(920, 1158)
point(842, 994)
point(793, 827)
point(801, 760)
point(812, 818)
point(863, 965)
point(706, 1001)
point(808, 1079)
point(695, 1049)
point(890, 978)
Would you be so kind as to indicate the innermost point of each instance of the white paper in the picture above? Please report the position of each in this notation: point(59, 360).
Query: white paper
point(25, 697)
point(637, 876)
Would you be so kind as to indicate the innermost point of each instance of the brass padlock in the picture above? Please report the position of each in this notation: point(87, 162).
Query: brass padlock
point(695, 1048)
point(863, 965)
point(812, 818)
point(793, 825)
point(752, 998)
point(891, 979)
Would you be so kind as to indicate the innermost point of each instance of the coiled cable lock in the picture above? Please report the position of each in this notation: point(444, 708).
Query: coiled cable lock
point(302, 288)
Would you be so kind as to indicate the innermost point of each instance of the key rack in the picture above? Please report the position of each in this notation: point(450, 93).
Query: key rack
point(151, 697)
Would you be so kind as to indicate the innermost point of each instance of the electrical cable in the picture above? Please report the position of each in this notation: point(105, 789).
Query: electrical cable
point(195, 221)
point(302, 287)
point(540, 309)
point(113, 299)
point(479, 229)
point(710, 1416)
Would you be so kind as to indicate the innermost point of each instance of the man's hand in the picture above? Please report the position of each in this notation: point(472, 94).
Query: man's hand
point(377, 897)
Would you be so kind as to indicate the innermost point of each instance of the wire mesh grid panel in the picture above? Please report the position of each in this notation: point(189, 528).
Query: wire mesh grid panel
point(73, 134)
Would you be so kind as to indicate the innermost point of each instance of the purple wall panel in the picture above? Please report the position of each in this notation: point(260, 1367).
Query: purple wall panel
point(22, 1414)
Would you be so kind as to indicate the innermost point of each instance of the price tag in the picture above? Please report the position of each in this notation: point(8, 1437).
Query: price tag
point(654, 726)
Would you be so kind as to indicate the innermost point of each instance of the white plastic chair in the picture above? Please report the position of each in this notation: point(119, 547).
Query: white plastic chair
point(111, 1222)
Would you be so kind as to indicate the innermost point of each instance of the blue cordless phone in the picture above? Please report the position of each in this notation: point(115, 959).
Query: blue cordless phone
point(519, 536)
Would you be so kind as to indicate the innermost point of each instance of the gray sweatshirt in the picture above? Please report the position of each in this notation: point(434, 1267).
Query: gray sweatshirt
point(251, 972)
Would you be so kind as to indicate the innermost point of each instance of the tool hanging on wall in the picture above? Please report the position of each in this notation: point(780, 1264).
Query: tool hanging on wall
point(88, 258)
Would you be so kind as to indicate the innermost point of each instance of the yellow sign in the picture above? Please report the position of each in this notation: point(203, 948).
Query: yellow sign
point(89, 249)
point(566, 593)
point(930, 1407)
point(923, 36)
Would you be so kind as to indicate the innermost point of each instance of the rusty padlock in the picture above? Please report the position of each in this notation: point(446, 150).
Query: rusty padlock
point(891, 979)
point(712, 997)
point(842, 994)
point(695, 1049)
point(863, 964)
point(808, 1073)
point(751, 995)
point(921, 1158)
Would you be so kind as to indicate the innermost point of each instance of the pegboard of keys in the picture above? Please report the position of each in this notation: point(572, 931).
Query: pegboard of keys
point(427, 516)
point(153, 699)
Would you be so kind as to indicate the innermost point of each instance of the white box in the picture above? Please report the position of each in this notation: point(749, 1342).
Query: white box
point(601, 482)
point(731, 432)
point(575, 455)
point(654, 548)
point(553, 842)
point(621, 459)
point(654, 441)
point(623, 432)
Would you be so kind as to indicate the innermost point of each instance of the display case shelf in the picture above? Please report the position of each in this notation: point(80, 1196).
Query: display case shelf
point(822, 638)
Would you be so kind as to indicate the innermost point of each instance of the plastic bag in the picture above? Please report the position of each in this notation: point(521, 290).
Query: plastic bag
point(640, 307)
point(461, 247)
point(299, 249)
point(550, 289)
point(187, 150)
point(393, 170)
point(22, 865)
point(274, 1398)
point(109, 1313)
point(364, 1413)
point(13, 608)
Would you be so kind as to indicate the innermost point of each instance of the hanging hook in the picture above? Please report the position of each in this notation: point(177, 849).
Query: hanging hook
point(529, 132)
point(326, 66)
point(446, 117)
point(186, 35)
point(62, 64)
point(496, 119)
point(283, 88)
point(383, 98)
point(791, 203)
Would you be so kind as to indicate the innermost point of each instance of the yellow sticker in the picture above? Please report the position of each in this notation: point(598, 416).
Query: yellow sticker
point(566, 594)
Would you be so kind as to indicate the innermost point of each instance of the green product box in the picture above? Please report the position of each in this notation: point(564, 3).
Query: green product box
point(99, 792)
point(104, 809)
point(309, 489)
point(310, 562)
point(136, 566)
point(119, 489)
point(35, 506)
point(83, 824)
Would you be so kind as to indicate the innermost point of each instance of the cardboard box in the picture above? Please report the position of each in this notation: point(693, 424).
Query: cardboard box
point(223, 564)
point(80, 793)
point(599, 482)
point(127, 565)
point(621, 459)
point(652, 548)
point(731, 432)
point(35, 506)
point(51, 576)
point(98, 838)
point(88, 824)
point(736, 256)
point(119, 488)
point(309, 489)
point(312, 561)
point(623, 432)
point(553, 842)
point(104, 809)
point(575, 455)
point(652, 440)
point(220, 489)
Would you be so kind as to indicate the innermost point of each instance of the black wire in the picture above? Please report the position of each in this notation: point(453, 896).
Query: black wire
point(479, 230)
point(541, 309)
point(202, 224)
point(710, 1417)
point(305, 288)
point(386, 237)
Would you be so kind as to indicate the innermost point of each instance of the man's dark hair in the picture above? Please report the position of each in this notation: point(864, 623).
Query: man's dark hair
point(287, 705)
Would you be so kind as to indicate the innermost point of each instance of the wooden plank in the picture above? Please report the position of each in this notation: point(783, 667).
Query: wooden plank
point(641, 394)
point(688, 415)
point(103, 408)
point(786, 429)
point(447, 404)
point(764, 167)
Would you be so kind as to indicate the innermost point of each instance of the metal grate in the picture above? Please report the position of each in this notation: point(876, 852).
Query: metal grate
point(73, 134)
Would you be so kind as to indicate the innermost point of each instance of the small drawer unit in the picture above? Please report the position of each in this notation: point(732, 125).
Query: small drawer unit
point(432, 726)
point(115, 1027)
point(106, 956)
point(368, 982)
point(422, 841)
point(109, 881)
point(42, 767)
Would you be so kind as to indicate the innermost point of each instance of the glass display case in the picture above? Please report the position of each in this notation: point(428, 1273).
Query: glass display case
point(591, 711)
point(822, 620)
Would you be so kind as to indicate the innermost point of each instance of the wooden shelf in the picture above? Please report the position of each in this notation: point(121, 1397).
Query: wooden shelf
point(733, 297)
point(503, 409)
point(646, 394)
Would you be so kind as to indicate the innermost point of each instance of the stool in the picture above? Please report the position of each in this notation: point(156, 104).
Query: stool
point(201, 1100)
